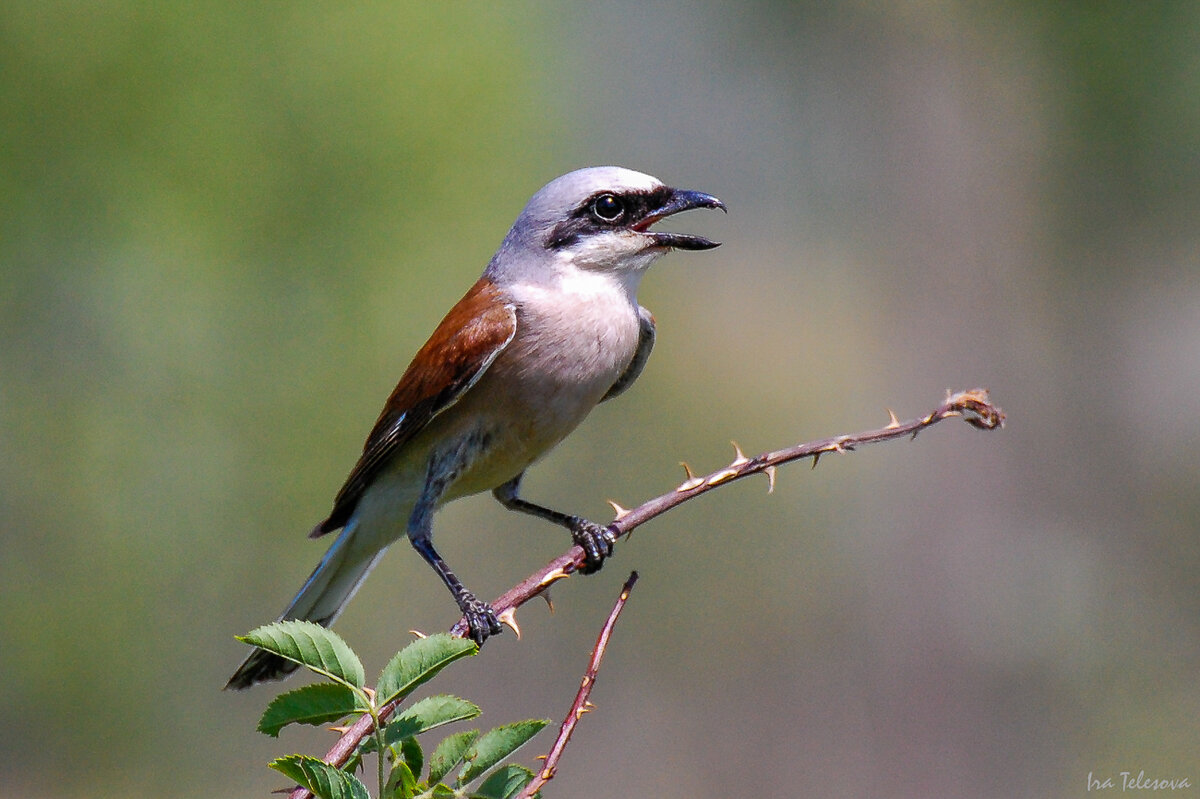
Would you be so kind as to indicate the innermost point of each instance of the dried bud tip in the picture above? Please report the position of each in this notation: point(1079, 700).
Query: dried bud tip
point(977, 410)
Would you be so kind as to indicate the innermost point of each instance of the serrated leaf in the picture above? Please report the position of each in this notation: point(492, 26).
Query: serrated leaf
point(310, 645)
point(504, 783)
point(322, 779)
point(495, 745)
point(320, 703)
point(449, 753)
point(401, 784)
point(418, 662)
point(429, 713)
point(440, 791)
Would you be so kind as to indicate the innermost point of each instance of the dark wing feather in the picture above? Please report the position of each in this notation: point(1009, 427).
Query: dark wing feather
point(640, 356)
point(464, 345)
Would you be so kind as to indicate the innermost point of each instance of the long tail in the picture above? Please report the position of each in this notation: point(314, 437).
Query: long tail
point(327, 590)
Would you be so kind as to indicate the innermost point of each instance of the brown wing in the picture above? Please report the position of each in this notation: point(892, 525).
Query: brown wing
point(460, 350)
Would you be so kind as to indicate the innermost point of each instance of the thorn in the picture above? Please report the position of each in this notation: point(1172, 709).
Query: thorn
point(417, 634)
point(579, 713)
point(549, 601)
point(370, 692)
point(739, 457)
point(589, 704)
point(692, 480)
point(547, 774)
point(816, 458)
point(339, 730)
point(541, 757)
point(509, 617)
point(553, 577)
point(722, 476)
point(770, 472)
point(894, 422)
point(617, 509)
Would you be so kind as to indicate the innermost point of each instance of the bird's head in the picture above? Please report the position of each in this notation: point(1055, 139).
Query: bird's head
point(600, 219)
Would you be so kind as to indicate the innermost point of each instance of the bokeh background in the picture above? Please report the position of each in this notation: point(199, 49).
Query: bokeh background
point(225, 227)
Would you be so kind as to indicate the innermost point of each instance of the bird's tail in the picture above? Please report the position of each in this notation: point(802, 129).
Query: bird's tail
point(327, 590)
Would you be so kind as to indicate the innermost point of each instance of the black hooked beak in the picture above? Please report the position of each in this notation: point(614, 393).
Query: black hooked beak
point(680, 200)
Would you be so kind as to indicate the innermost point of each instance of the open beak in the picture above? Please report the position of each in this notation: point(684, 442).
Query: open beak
point(679, 201)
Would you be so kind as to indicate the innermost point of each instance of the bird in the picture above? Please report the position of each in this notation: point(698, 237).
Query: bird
point(550, 330)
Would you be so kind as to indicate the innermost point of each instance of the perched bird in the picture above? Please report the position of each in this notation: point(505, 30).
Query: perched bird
point(550, 330)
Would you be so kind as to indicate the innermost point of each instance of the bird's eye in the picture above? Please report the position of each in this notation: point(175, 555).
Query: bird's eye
point(608, 208)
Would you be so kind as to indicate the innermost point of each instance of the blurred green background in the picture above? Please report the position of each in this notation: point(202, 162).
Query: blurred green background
point(225, 227)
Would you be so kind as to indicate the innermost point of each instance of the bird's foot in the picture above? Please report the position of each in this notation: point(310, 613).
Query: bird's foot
point(481, 619)
point(595, 540)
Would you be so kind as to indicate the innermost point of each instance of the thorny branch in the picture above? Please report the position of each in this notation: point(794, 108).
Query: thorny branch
point(974, 407)
point(581, 704)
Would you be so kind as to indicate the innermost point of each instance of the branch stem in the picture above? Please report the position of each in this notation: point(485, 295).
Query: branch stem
point(974, 407)
point(581, 704)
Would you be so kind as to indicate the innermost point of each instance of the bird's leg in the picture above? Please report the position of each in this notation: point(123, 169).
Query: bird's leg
point(595, 540)
point(481, 619)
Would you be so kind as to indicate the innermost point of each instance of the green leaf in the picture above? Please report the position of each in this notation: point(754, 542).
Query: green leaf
point(440, 791)
point(410, 753)
point(322, 779)
point(354, 763)
point(449, 753)
point(401, 784)
point(497, 744)
point(418, 662)
point(430, 712)
point(310, 645)
point(504, 783)
point(320, 703)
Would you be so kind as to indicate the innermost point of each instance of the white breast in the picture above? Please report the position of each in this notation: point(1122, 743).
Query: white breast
point(580, 332)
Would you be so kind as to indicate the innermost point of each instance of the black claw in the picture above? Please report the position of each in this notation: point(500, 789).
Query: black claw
point(481, 619)
point(596, 541)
